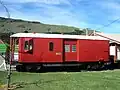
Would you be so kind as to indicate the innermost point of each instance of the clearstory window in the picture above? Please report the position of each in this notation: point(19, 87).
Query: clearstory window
point(73, 48)
point(51, 46)
point(67, 48)
point(26, 45)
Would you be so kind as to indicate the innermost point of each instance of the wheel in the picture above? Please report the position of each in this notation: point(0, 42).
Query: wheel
point(33, 68)
point(39, 68)
point(28, 68)
point(20, 68)
point(88, 68)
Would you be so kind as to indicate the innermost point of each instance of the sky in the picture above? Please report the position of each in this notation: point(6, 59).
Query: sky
point(92, 14)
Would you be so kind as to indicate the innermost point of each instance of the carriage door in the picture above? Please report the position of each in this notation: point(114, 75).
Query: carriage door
point(70, 52)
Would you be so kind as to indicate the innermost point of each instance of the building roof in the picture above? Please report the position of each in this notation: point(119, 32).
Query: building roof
point(112, 37)
point(42, 35)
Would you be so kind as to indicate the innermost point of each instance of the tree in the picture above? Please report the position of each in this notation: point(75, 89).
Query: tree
point(25, 31)
point(78, 32)
point(75, 32)
point(21, 26)
point(49, 30)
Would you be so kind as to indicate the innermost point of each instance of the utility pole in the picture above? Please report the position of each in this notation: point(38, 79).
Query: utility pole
point(8, 14)
point(86, 31)
point(94, 32)
point(9, 71)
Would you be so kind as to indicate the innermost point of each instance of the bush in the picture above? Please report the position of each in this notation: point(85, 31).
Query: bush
point(21, 26)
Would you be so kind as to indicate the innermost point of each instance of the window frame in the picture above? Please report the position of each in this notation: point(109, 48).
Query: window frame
point(67, 47)
point(31, 43)
point(74, 49)
point(51, 46)
point(26, 46)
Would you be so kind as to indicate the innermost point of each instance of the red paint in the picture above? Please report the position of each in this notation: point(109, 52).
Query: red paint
point(93, 50)
point(70, 56)
point(86, 51)
point(41, 51)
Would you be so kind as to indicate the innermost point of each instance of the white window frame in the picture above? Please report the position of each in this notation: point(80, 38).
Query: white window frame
point(67, 48)
point(73, 48)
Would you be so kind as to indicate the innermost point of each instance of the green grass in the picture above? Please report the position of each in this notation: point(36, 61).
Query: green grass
point(2, 48)
point(109, 80)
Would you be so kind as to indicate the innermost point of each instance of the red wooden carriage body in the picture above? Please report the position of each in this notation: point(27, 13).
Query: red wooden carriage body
point(42, 48)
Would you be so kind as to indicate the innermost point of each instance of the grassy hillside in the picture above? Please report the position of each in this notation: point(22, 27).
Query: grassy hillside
point(8, 26)
point(20, 26)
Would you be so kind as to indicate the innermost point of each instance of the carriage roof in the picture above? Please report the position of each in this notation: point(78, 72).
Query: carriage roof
point(43, 35)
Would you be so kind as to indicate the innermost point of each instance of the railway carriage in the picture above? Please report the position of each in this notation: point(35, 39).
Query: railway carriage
point(37, 50)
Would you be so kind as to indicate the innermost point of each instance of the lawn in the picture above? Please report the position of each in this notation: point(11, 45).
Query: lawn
point(105, 80)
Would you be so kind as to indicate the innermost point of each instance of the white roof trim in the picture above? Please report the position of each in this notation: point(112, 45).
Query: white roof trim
point(42, 35)
point(112, 37)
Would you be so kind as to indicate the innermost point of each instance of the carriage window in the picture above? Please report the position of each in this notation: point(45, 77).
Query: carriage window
point(26, 45)
point(67, 48)
point(51, 46)
point(31, 44)
point(73, 48)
